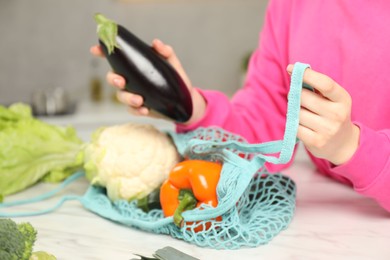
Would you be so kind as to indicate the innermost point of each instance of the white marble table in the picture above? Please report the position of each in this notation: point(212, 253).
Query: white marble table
point(331, 222)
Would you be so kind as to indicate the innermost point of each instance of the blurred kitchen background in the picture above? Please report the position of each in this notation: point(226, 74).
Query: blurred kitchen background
point(44, 44)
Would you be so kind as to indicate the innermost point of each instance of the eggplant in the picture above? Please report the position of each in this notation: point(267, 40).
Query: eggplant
point(146, 72)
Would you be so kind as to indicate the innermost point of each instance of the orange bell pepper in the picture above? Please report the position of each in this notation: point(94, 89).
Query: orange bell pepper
point(190, 184)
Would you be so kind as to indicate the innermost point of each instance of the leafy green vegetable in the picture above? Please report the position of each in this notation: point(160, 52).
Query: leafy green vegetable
point(32, 150)
point(41, 255)
point(16, 240)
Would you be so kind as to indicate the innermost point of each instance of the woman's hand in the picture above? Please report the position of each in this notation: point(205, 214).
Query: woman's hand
point(136, 102)
point(325, 125)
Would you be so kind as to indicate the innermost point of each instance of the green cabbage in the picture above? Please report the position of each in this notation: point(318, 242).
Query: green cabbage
point(32, 150)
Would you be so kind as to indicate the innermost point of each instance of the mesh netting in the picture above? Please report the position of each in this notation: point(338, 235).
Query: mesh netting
point(253, 205)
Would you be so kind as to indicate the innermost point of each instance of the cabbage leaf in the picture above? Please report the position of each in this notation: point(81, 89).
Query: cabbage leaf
point(32, 150)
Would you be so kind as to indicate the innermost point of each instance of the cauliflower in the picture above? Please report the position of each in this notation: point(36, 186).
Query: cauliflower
point(130, 160)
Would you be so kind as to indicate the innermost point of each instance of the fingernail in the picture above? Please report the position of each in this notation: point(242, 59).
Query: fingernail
point(135, 101)
point(290, 68)
point(118, 82)
point(156, 42)
point(143, 111)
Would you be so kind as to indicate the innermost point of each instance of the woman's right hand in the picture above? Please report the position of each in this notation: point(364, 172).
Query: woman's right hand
point(136, 102)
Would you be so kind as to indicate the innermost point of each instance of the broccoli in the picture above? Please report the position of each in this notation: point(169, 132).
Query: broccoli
point(16, 240)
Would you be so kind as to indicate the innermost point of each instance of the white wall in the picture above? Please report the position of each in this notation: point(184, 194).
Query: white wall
point(46, 42)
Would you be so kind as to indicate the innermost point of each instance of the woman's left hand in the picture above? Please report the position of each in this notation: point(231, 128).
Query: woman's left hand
point(325, 125)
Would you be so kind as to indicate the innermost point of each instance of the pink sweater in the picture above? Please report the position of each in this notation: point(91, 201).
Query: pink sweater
point(346, 40)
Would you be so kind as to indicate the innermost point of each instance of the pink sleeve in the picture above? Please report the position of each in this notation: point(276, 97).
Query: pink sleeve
point(369, 168)
point(258, 110)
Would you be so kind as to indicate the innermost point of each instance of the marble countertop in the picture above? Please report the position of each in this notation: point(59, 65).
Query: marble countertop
point(331, 222)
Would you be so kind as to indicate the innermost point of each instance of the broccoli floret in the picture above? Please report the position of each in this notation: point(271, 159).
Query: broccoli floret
point(16, 240)
point(29, 234)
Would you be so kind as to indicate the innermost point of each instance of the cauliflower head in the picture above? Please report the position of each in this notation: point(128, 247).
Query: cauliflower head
point(130, 160)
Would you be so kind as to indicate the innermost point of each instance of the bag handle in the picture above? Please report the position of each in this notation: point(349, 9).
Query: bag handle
point(293, 108)
point(285, 146)
point(42, 197)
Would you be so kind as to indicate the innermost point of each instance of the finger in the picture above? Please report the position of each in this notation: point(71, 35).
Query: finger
point(306, 135)
point(314, 102)
point(310, 120)
point(320, 125)
point(167, 52)
point(322, 83)
point(97, 51)
point(115, 80)
point(130, 99)
point(163, 49)
point(142, 111)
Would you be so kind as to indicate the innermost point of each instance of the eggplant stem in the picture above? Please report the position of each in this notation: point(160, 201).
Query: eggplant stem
point(107, 31)
point(101, 19)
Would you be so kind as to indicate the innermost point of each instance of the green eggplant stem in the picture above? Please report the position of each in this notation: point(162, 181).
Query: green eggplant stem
point(107, 31)
point(187, 201)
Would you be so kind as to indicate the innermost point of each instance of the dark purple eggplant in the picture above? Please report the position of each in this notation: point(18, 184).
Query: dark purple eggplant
point(145, 71)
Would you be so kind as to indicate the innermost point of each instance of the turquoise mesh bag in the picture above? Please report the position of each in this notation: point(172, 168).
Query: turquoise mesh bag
point(253, 204)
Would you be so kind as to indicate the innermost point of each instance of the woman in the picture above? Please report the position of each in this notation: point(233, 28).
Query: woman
point(344, 123)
